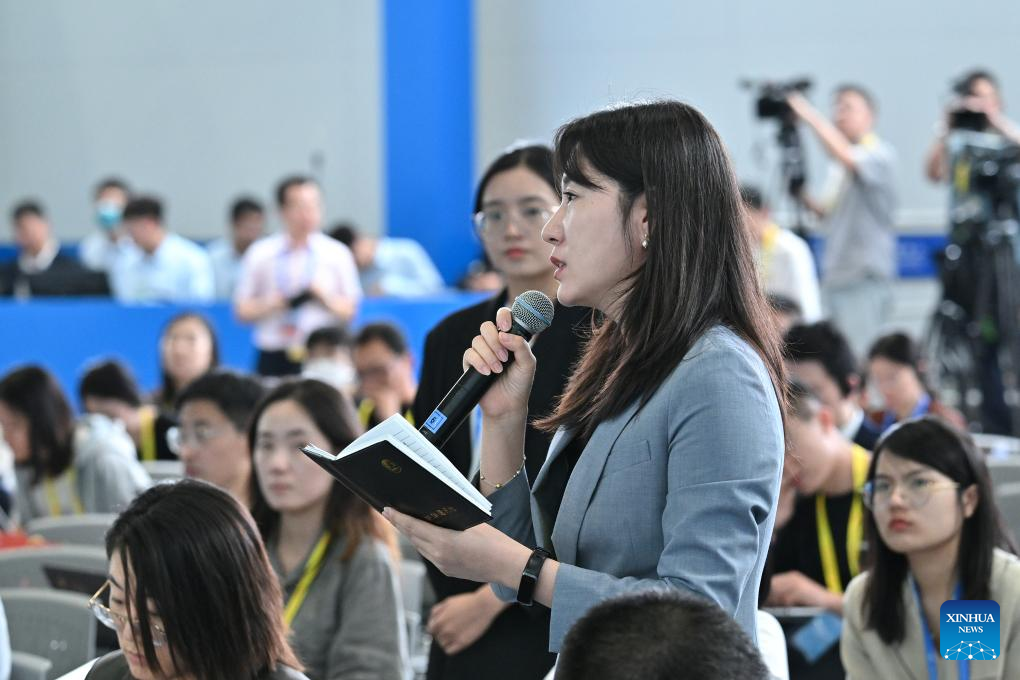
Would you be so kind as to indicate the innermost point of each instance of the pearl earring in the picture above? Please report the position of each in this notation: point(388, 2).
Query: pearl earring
point(644, 242)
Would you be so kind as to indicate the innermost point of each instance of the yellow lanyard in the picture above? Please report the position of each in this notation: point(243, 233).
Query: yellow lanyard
point(53, 498)
point(366, 407)
point(768, 248)
point(147, 432)
point(312, 569)
point(854, 528)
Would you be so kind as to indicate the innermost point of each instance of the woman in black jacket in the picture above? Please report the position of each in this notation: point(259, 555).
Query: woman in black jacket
point(474, 634)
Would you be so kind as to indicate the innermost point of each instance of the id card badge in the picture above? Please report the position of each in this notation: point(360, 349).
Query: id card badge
point(817, 636)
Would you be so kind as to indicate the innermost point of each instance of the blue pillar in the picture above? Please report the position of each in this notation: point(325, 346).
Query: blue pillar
point(428, 66)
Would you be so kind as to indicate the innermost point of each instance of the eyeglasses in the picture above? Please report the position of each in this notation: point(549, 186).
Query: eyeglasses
point(116, 622)
point(915, 491)
point(176, 437)
point(494, 221)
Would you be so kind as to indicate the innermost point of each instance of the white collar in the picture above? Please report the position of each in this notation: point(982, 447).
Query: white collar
point(33, 264)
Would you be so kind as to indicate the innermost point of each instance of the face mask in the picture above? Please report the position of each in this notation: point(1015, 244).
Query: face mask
point(330, 372)
point(108, 215)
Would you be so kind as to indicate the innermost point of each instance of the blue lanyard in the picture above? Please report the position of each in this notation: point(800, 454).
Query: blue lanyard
point(929, 643)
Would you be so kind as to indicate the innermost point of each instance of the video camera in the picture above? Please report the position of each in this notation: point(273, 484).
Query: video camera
point(771, 101)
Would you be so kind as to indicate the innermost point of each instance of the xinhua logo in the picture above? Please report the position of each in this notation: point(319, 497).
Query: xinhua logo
point(969, 630)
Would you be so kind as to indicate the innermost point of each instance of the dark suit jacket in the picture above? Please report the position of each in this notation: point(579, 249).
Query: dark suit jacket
point(64, 276)
point(515, 646)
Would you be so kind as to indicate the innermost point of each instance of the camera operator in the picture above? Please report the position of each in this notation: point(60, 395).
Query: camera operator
point(857, 209)
point(976, 92)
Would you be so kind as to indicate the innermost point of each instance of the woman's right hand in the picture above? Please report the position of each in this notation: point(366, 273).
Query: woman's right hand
point(509, 394)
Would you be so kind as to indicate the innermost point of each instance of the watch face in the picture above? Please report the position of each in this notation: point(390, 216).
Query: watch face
point(526, 589)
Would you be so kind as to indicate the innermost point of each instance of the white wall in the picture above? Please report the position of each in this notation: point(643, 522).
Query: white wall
point(542, 63)
point(195, 101)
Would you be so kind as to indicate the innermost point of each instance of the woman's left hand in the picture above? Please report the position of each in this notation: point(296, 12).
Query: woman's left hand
point(482, 553)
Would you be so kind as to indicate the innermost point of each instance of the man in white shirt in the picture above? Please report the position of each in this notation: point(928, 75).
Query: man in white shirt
point(164, 267)
point(247, 224)
point(99, 250)
point(295, 282)
point(785, 264)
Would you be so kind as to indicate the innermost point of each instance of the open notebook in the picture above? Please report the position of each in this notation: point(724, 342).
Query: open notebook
point(393, 465)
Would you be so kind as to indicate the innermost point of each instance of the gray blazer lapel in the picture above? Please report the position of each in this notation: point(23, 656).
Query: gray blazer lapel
point(582, 483)
point(540, 500)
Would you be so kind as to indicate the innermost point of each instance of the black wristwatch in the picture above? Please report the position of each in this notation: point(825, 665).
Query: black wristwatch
point(529, 577)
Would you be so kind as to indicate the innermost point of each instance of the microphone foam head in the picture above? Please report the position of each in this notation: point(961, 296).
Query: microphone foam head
point(533, 310)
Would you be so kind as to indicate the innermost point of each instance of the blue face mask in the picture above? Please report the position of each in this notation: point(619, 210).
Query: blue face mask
point(108, 215)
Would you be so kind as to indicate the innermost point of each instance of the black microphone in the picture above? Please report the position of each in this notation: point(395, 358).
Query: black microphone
point(532, 313)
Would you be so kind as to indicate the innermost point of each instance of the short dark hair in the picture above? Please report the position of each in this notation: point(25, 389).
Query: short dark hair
point(860, 91)
point(235, 394)
point(27, 208)
point(537, 158)
point(964, 85)
point(824, 343)
point(653, 635)
point(111, 183)
point(345, 232)
point(226, 621)
point(803, 404)
point(245, 205)
point(33, 392)
point(110, 379)
point(386, 333)
point(334, 337)
point(932, 442)
point(752, 197)
point(901, 349)
point(148, 207)
point(289, 182)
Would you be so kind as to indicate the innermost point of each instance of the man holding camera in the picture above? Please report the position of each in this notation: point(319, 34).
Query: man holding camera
point(857, 208)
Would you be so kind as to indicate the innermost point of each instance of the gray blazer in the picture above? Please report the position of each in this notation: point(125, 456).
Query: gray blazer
point(681, 493)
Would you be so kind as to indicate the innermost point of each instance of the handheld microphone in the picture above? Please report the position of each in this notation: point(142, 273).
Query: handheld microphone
point(532, 313)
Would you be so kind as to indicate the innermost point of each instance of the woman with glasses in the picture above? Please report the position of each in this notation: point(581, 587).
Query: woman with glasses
point(666, 463)
point(470, 627)
point(190, 592)
point(935, 535)
point(333, 554)
point(64, 466)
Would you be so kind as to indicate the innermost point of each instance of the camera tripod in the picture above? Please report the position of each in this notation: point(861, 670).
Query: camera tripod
point(973, 338)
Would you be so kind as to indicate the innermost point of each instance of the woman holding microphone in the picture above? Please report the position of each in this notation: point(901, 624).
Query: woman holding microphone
point(665, 467)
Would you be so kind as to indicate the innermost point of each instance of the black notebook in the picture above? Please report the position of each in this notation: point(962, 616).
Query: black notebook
point(393, 465)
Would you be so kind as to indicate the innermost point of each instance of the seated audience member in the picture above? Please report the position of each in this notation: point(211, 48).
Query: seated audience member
point(786, 312)
point(390, 266)
point(190, 592)
point(935, 535)
point(187, 349)
point(658, 635)
point(212, 437)
point(109, 389)
point(818, 550)
point(896, 369)
point(482, 277)
point(385, 374)
point(819, 356)
point(332, 552)
point(165, 267)
point(40, 268)
point(785, 264)
point(64, 467)
point(100, 249)
point(296, 281)
point(329, 357)
point(247, 224)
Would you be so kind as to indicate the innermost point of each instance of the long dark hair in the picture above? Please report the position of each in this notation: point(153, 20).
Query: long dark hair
point(195, 552)
point(932, 442)
point(34, 393)
point(167, 394)
point(347, 516)
point(699, 269)
point(537, 158)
